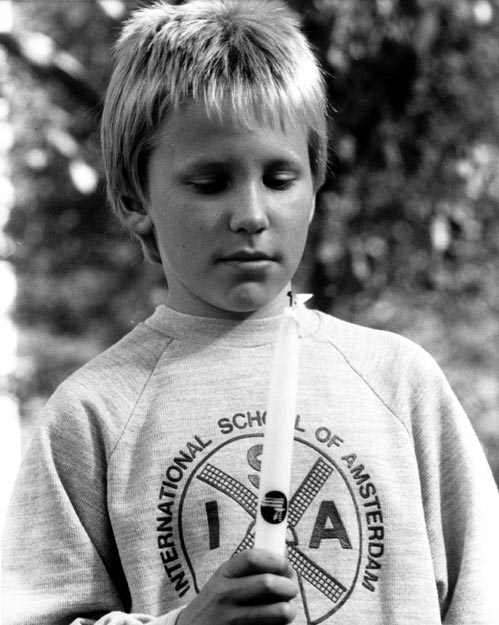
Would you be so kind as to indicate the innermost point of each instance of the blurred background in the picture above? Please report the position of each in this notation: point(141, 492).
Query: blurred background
point(406, 236)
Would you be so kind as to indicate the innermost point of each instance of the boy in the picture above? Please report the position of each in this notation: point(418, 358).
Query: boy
point(136, 502)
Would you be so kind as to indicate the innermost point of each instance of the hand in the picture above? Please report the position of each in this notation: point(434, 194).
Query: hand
point(252, 588)
point(117, 618)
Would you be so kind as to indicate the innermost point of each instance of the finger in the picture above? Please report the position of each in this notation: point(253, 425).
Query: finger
point(289, 571)
point(265, 589)
point(255, 562)
point(120, 618)
point(272, 614)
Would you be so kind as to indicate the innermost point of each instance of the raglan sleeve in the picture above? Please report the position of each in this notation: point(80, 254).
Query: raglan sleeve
point(60, 562)
point(461, 501)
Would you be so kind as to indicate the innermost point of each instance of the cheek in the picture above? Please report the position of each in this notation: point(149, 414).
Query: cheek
point(299, 221)
point(296, 234)
point(186, 240)
point(170, 220)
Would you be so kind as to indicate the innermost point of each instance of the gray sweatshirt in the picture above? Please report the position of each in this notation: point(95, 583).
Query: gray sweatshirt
point(142, 479)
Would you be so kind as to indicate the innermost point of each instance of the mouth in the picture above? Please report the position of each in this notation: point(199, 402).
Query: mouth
point(248, 256)
point(248, 259)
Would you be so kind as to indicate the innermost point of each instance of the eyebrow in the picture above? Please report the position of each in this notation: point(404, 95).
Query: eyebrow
point(292, 160)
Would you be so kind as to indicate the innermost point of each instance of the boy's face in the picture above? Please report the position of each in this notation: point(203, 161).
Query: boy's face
point(230, 208)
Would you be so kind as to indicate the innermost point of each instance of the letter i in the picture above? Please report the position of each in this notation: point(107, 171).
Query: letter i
point(213, 523)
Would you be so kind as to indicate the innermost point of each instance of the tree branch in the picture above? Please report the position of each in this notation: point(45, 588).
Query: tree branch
point(54, 64)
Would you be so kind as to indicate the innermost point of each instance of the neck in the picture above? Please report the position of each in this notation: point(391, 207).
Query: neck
point(274, 308)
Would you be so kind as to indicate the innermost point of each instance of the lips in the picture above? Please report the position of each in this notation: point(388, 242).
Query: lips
point(247, 256)
point(253, 264)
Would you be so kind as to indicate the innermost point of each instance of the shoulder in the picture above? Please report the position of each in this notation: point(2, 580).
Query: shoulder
point(399, 371)
point(369, 347)
point(98, 399)
point(126, 364)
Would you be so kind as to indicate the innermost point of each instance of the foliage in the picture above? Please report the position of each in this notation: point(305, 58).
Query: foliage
point(407, 231)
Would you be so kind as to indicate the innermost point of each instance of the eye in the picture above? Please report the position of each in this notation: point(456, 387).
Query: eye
point(279, 181)
point(209, 185)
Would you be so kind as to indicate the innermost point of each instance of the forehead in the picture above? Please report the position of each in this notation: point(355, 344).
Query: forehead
point(192, 132)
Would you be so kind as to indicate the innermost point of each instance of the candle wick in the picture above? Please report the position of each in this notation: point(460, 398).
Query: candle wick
point(291, 298)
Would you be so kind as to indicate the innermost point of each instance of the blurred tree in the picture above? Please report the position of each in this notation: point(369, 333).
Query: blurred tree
point(406, 235)
point(82, 284)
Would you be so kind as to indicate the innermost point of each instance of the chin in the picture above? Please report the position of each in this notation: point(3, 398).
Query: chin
point(253, 301)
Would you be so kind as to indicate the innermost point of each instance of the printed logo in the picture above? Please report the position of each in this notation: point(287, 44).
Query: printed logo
point(324, 525)
point(208, 500)
point(274, 507)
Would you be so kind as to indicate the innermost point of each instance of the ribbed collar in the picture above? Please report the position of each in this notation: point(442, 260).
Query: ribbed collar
point(235, 333)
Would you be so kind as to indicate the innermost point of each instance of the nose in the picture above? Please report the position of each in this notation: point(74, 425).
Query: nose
point(249, 211)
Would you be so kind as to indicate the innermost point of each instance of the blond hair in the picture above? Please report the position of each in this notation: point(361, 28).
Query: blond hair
point(249, 55)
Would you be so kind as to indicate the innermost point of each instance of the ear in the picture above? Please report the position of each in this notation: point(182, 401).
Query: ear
point(312, 210)
point(135, 216)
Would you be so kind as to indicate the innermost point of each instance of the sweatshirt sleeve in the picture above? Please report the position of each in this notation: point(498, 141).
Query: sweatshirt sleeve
point(60, 561)
point(461, 502)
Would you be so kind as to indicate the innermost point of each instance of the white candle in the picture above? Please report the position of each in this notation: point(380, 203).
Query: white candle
point(273, 500)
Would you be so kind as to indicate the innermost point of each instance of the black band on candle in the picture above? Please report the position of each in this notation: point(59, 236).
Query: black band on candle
point(274, 507)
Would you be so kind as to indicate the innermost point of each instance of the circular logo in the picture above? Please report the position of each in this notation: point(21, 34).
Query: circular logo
point(218, 507)
point(274, 507)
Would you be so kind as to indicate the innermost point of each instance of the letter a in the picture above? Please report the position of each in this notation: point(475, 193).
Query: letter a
point(329, 512)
